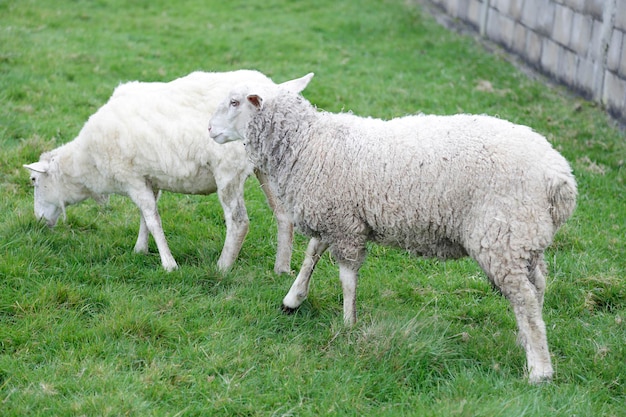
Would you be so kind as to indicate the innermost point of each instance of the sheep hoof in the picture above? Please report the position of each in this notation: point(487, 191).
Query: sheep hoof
point(540, 378)
point(285, 271)
point(141, 249)
point(288, 310)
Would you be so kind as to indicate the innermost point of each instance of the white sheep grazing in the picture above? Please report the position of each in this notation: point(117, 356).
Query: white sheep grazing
point(442, 186)
point(150, 137)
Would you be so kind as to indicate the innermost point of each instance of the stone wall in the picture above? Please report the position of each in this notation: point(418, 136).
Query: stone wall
point(581, 43)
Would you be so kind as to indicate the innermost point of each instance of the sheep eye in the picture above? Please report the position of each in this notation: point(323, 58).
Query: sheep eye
point(234, 103)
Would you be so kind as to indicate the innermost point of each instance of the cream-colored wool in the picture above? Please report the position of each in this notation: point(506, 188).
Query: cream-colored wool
point(150, 137)
point(437, 186)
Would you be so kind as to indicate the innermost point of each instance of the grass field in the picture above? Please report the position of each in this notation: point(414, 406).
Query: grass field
point(88, 328)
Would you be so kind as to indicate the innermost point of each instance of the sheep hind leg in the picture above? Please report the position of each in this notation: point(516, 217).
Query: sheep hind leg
point(349, 277)
point(146, 200)
point(284, 226)
point(141, 246)
point(237, 223)
point(537, 277)
point(300, 288)
point(526, 302)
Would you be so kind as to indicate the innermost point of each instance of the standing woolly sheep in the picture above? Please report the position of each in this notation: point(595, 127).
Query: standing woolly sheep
point(150, 137)
point(437, 186)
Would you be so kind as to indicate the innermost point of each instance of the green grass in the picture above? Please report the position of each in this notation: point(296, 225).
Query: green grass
point(87, 327)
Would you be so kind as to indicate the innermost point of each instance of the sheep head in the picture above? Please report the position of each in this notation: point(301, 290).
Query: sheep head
point(53, 189)
point(234, 113)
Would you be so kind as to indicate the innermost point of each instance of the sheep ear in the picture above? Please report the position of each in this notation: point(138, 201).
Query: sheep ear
point(41, 167)
point(297, 85)
point(255, 100)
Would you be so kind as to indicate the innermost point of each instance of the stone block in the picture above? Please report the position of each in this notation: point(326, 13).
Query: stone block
point(562, 28)
point(519, 39)
point(507, 28)
point(550, 56)
point(473, 12)
point(581, 33)
point(614, 93)
point(622, 61)
point(615, 50)
point(452, 7)
point(596, 47)
point(595, 8)
point(461, 11)
point(533, 47)
point(585, 77)
point(567, 67)
point(492, 29)
point(529, 13)
point(598, 76)
point(509, 8)
point(515, 9)
point(496, 26)
point(500, 5)
point(545, 18)
point(620, 14)
point(576, 5)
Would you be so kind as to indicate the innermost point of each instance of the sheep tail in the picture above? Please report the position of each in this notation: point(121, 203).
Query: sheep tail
point(561, 191)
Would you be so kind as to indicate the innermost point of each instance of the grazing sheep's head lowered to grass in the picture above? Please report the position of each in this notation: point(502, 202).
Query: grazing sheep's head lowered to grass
point(44, 209)
point(233, 113)
point(51, 193)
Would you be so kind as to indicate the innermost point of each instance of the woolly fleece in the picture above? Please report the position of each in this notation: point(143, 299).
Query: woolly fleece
point(442, 186)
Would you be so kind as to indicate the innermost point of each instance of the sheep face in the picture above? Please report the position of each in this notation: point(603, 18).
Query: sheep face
point(233, 114)
point(53, 190)
point(48, 204)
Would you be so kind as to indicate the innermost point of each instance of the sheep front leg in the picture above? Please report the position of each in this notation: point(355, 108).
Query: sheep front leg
point(300, 288)
point(146, 200)
point(237, 223)
point(284, 225)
